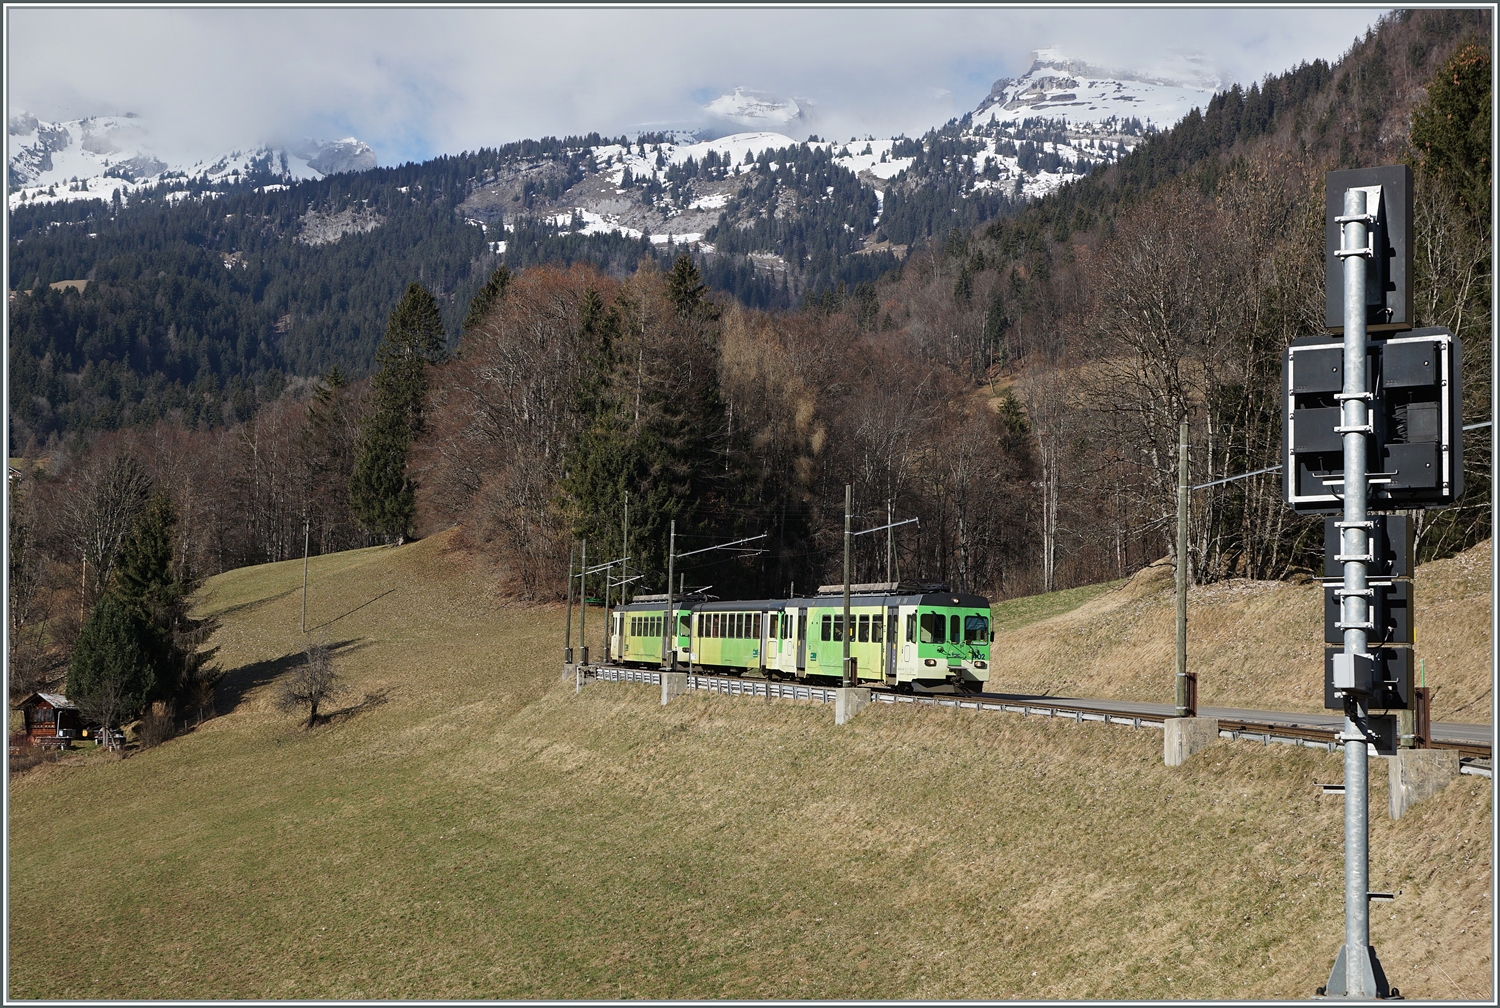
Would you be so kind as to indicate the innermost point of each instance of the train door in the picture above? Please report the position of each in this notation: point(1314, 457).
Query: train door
point(892, 642)
point(801, 640)
point(763, 624)
point(907, 622)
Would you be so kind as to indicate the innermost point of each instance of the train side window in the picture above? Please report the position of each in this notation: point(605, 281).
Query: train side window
point(976, 629)
point(891, 627)
point(954, 633)
point(934, 627)
point(757, 626)
point(864, 629)
point(911, 628)
point(828, 628)
point(802, 626)
point(876, 625)
point(684, 624)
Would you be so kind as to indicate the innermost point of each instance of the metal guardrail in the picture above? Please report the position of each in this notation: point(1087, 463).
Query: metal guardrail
point(1474, 757)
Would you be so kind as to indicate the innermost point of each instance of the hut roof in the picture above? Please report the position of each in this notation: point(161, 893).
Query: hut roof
point(56, 700)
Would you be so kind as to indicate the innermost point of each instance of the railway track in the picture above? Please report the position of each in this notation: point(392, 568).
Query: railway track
point(1474, 756)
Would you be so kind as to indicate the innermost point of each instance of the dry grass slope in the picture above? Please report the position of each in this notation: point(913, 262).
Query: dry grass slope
point(487, 833)
point(1252, 643)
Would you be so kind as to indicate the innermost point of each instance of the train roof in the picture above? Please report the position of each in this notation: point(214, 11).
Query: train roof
point(963, 600)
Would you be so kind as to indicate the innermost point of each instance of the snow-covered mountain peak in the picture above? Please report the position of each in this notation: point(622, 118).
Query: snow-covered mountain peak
point(97, 156)
point(1059, 86)
point(755, 108)
point(329, 157)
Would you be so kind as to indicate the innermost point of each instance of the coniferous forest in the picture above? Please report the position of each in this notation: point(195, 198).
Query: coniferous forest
point(1015, 380)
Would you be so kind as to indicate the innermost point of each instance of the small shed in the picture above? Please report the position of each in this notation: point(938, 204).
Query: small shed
point(51, 719)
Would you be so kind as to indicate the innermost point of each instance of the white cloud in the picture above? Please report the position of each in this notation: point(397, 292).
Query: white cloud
point(418, 82)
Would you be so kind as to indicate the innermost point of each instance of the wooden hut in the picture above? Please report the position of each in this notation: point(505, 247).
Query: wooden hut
point(51, 719)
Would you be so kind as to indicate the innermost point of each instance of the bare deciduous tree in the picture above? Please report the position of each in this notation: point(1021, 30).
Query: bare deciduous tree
point(100, 513)
point(311, 684)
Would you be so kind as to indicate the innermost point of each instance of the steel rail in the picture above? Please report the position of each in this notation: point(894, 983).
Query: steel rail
point(1233, 728)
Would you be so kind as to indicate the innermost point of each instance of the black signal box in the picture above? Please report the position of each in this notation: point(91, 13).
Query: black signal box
point(1388, 273)
point(1393, 679)
point(1392, 543)
point(1390, 611)
point(1414, 448)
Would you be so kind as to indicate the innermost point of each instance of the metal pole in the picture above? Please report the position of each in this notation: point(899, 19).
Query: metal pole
point(1182, 569)
point(583, 600)
point(890, 535)
point(666, 626)
point(305, 532)
point(1357, 955)
point(625, 548)
point(848, 541)
point(568, 633)
point(608, 618)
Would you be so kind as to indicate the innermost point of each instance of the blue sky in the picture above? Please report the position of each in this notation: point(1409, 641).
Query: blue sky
point(416, 82)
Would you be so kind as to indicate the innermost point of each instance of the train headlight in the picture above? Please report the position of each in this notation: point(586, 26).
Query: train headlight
point(980, 664)
point(930, 662)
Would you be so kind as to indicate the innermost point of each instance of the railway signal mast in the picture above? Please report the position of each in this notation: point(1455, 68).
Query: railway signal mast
point(1372, 424)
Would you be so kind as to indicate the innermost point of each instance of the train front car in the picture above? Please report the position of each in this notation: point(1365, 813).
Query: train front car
point(949, 634)
point(925, 640)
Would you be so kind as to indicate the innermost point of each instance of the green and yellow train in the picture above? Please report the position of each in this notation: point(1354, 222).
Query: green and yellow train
point(929, 639)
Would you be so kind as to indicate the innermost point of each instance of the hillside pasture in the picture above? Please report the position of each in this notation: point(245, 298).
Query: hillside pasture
point(478, 830)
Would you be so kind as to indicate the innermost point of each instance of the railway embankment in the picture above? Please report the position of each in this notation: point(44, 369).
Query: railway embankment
point(485, 832)
point(1254, 644)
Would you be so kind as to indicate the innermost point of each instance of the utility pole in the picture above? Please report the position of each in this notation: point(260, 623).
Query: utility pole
point(1182, 570)
point(608, 618)
point(624, 547)
point(568, 633)
point(583, 604)
point(306, 529)
point(1356, 968)
point(849, 676)
point(890, 535)
point(666, 626)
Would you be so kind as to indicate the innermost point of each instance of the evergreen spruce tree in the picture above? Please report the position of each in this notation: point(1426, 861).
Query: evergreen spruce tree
point(489, 294)
point(1450, 131)
point(155, 596)
point(381, 495)
point(687, 292)
point(110, 677)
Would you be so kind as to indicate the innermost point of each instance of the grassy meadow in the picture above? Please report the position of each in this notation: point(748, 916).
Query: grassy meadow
point(468, 827)
point(1253, 643)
